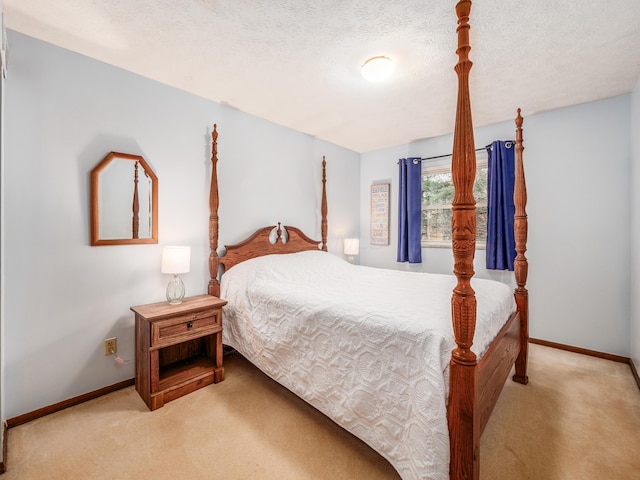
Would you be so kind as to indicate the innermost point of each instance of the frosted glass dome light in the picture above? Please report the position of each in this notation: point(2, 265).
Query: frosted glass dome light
point(377, 68)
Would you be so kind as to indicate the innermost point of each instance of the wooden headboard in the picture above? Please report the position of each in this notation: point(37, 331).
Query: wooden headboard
point(265, 241)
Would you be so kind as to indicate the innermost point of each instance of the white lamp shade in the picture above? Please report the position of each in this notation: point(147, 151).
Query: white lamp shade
point(351, 246)
point(176, 259)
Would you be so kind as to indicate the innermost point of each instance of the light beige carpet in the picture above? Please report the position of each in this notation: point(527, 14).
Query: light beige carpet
point(579, 418)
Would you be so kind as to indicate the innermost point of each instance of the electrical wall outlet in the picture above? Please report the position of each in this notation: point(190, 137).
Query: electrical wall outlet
point(110, 346)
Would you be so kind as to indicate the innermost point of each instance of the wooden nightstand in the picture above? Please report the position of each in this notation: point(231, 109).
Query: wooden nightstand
point(178, 348)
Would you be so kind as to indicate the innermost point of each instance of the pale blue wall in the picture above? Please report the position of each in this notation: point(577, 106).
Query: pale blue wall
point(63, 113)
point(635, 225)
point(2, 279)
point(577, 162)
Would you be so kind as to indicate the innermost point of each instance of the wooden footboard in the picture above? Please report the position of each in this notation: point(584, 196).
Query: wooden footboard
point(495, 366)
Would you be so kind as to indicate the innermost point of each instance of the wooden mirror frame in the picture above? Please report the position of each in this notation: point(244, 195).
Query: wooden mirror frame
point(95, 203)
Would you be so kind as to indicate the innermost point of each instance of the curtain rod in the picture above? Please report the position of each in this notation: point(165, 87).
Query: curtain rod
point(448, 155)
point(509, 144)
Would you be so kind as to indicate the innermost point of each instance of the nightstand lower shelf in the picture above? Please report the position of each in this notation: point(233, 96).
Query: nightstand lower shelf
point(186, 370)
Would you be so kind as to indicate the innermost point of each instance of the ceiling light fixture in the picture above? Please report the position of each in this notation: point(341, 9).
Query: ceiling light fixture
point(377, 68)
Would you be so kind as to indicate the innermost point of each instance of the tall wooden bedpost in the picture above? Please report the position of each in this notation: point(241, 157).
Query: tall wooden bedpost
point(214, 285)
point(324, 204)
point(521, 266)
point(464, 425)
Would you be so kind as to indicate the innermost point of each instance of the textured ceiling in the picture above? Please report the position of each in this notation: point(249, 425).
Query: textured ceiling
point(296, 63)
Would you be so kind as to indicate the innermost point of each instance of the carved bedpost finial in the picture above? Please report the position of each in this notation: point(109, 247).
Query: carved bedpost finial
point(214, 261)
point(214, 141)
point(324, 224)
point(463, 9)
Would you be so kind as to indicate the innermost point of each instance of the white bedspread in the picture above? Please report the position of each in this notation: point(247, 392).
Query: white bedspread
point(368, 347)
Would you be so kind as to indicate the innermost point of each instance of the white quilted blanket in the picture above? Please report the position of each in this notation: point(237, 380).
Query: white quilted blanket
point(368, 347)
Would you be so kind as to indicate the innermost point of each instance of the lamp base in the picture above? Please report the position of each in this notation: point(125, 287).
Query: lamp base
point(175, 290)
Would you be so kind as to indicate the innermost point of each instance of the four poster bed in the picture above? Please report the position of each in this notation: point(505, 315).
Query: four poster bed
point(355, 342)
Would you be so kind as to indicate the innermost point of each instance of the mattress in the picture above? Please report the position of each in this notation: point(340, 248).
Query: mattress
point(368, 347)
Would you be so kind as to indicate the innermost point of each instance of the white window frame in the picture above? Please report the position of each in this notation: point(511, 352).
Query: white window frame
point(444, 166)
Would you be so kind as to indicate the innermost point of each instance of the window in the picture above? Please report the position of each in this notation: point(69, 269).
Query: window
point(437, 195)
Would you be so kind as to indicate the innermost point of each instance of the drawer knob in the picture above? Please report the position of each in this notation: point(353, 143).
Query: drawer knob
point(189, 324)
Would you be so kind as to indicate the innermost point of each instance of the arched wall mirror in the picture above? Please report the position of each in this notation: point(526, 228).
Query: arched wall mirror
point(124, 201)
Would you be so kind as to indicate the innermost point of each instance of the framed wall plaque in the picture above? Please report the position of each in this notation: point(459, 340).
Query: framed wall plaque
point(379, 231)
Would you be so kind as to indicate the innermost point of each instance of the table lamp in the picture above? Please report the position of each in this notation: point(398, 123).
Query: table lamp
point(175, 260)
point(351, 248)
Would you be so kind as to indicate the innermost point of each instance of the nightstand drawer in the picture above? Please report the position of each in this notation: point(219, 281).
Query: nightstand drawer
point(190, 325)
